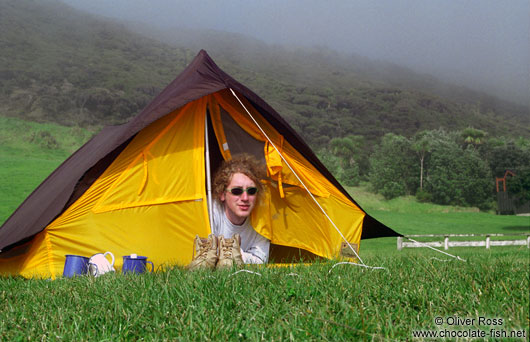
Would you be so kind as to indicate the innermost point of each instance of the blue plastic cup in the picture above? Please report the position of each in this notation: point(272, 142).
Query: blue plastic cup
point(136, 264)
point(75, 265)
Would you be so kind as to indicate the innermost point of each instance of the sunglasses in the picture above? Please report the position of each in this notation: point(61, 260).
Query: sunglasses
point(238, 191)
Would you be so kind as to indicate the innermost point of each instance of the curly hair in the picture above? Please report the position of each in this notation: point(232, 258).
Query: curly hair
point(242, 163)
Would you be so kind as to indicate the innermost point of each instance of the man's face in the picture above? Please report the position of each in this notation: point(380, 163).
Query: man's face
point(238, 208)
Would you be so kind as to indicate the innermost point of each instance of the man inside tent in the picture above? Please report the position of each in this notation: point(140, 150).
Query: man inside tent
point(236, 188)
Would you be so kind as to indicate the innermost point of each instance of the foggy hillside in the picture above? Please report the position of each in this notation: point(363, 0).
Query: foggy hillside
point(62, 65)
point(480, 44)
point(258, 56)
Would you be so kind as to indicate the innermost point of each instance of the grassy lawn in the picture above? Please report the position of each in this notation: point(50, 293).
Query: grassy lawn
point(29, 152)
point(19, 176)
point(320, 302)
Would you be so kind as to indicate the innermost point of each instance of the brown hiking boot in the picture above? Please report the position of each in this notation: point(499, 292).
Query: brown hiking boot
point(229, 252)
point(205, 253)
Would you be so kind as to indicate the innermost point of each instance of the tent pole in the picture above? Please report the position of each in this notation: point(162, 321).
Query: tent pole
point(208, 175)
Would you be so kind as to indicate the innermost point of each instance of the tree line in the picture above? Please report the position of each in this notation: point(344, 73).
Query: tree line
point(438, 166)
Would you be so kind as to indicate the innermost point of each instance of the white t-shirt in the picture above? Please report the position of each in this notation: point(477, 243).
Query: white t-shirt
point(255, 247)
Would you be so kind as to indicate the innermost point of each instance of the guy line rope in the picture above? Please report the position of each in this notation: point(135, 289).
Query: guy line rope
point(431, 247)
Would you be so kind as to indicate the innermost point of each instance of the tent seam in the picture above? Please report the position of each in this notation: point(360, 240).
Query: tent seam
point(49, 250)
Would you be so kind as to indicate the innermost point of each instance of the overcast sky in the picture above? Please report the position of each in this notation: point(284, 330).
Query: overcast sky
point(480, 43)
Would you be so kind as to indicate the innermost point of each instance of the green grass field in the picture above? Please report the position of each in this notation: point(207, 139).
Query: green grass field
point(488, 294)
point(317, 302)
point(29, 152)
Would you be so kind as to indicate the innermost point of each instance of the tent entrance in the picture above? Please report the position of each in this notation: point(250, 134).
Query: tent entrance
point(226, 138)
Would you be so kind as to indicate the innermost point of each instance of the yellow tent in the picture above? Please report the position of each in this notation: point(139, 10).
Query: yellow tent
point(142, 187)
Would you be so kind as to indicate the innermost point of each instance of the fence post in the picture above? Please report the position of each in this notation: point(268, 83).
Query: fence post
point(400, 243)
point(446, 242)
point(487, 242)
point(528, 241)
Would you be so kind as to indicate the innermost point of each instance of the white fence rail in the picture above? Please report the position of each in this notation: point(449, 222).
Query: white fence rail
point(446, 242)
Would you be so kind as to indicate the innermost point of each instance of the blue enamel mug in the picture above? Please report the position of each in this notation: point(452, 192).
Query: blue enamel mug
point(136, 264)
point(75, 265)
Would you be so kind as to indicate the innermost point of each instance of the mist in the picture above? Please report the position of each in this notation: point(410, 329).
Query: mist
point(481, 44)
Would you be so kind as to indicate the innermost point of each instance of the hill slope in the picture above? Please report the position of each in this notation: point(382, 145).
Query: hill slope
point(64, 66)
point(61, 65)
